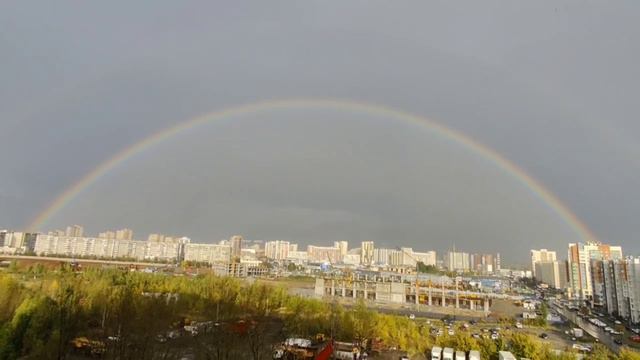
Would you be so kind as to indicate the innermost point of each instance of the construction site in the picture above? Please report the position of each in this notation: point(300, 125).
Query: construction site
point(433, 291)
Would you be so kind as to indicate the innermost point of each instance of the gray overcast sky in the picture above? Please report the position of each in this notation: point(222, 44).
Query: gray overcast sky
point(553, 86)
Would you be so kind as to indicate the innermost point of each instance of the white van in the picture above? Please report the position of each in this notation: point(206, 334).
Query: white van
point(461, 355)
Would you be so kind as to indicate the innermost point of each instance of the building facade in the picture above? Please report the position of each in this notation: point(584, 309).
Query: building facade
point(457, 261)
point(323, 254)
point(551, 273)
point(207, 253)
point(366, 253)
point(276, 250)
point(542, 255)
point(236, 246)
point(579, 264)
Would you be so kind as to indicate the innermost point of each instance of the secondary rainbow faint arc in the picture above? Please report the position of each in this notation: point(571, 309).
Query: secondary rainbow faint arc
point(337, 104)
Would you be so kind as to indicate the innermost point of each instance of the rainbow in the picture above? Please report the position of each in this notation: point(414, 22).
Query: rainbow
point(539, 190)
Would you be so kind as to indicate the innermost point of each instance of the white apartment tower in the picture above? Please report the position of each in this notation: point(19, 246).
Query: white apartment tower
point(276, 250)
point(366, 254)
point(580, 257)
point(542, 255)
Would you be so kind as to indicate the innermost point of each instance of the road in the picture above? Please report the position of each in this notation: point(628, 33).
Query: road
point(602, 336)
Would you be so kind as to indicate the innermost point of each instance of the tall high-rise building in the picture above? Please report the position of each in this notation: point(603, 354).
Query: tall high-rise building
point(156, 238)
point(483, 263)
point(343, 246)
point(124, 234)
point(633, 279)
point(381, 256)
point(551, 273)
point(236, 246)
point(427, 258)
point(621, 290)
point(293, 247)
point(579, 266)
point(107, 235)
point(74, 231)
point(276, 250)
point(329, 254)
point(542, 255)
point(366, 254)
point(396, 257)
point(457, 261)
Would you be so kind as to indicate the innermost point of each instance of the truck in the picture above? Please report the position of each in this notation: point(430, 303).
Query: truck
point(461, 355)
point(506, 355)
point(447, 354)
point(474, 355)
point(577, 332)
point(436, 353)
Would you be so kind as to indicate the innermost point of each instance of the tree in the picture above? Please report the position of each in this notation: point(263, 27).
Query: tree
point(523, 345)
point(627, 354)
point(600, 352)
point(429, 269)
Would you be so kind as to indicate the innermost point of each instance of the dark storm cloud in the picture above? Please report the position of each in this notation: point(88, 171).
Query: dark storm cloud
point(552, 86)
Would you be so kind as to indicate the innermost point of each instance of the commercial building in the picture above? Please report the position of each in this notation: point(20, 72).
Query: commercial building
point(542, 255)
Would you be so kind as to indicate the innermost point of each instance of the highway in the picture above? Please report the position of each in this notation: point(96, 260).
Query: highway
point(602, 336)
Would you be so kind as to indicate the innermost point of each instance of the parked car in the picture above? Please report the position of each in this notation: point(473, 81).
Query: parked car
point(544, 336)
